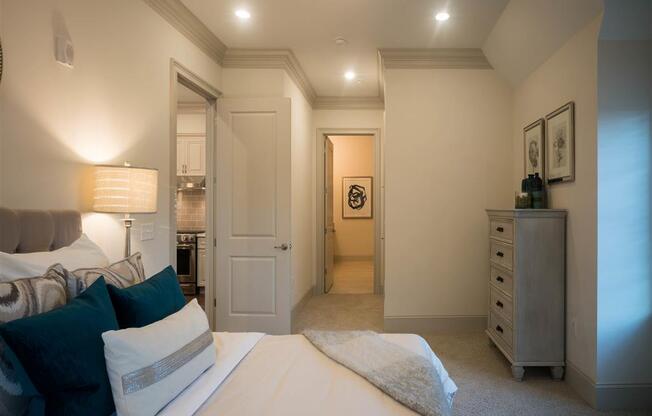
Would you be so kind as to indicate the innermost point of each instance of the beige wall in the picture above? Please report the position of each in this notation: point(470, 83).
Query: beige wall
point(570, 75)
point(448, 157)
point(237, 82)
point(352, 156)
point(113, 106)
point(303, 195)
point(348, 119)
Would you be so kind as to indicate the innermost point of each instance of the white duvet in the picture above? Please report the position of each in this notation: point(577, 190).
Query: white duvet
point(257, 374)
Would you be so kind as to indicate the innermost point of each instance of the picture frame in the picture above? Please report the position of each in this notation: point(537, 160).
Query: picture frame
point(534, 150)
point(357, 197)
point(560, 144)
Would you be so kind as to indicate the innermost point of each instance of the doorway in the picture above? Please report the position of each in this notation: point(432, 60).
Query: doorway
point(349, 201)
point(349, 236)
point(192, 173)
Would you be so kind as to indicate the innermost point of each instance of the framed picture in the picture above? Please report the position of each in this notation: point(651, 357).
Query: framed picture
point(560, 144)
point(534, 148)
point(357, 197)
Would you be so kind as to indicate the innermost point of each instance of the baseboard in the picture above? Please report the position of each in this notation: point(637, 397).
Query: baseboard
point(302, 303)
point(603, 396)
point(354, 258)
point(624, 396)
point(435, 324)
point(581, 383)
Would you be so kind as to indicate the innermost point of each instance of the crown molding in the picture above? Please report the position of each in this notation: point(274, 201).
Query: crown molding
point(271, 59)
point(438, 58)
point(184, 21)
point(349, 103)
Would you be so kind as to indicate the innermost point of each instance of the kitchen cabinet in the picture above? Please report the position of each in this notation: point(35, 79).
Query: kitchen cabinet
point(191, 155)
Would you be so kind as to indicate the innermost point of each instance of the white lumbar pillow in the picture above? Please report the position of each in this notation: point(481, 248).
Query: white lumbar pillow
point(83, 253)
point(149, 366)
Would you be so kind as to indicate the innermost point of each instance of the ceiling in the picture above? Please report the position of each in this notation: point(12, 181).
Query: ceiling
point(309, 29)
point(529, 31)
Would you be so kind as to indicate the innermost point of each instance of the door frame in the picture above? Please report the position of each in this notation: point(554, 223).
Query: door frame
point(377, 208)
point(182, 75)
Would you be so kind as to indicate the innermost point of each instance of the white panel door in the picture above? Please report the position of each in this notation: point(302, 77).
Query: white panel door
point(253, 215)
point(329, 243)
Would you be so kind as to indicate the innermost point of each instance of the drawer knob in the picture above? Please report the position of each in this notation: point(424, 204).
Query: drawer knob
point(500, 229)
point(500, 279)
point(500, 254)
point(499, 304)
point(499, 329)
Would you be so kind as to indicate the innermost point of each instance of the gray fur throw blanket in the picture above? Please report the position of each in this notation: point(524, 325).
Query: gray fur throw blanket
point(408, 378)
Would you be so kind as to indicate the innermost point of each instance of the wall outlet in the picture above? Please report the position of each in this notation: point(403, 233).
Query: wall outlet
point(147, 231)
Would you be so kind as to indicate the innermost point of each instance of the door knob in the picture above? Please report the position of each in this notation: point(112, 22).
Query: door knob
point(282, 247)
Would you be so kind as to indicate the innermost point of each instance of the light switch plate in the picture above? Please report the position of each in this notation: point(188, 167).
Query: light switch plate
point(147, 231)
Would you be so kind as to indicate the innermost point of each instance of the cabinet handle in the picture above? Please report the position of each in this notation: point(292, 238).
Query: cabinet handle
point(499, 304)
point(500, 279)
point(499, 329)
point(500, 229)
point(500, 254)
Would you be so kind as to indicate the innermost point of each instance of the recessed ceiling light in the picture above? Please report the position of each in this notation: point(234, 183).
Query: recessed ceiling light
point(349, 75)
point(340, 41)
point(242, 14)
point(442, 16)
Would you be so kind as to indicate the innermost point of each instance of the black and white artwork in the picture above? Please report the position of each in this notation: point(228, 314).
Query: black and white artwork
point(560, 149)
point(357, 197)
point(533, 148)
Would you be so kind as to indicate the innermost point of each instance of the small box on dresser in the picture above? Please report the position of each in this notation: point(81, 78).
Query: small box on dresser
point(527, 263)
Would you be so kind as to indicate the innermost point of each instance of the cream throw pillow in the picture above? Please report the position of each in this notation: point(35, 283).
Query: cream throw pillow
point(82, 253)
point(149, 366)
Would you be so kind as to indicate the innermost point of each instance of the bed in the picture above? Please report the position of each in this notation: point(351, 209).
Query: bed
point(254, 373)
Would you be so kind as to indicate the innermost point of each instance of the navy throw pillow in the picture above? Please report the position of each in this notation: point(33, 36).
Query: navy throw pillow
point(63, 353)
point(148, 302)
point(18, 396)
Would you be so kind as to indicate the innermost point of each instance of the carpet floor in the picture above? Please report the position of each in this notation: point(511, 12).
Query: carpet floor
point(482, 374)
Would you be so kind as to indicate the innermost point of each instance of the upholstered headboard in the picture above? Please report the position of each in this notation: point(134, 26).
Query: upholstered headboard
point(26, 231)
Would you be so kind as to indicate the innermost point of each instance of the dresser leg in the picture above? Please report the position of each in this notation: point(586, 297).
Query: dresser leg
point(557, 372)
point(518, 372)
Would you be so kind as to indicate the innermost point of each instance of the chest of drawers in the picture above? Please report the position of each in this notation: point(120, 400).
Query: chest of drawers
point(526, 317)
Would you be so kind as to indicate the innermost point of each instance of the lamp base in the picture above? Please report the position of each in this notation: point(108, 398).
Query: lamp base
point(128, 223)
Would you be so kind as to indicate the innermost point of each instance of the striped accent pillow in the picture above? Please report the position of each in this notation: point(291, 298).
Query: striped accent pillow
point(32, 296)
point(148, 367)
point(124, 273)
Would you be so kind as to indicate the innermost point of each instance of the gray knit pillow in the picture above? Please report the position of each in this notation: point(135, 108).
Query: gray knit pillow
point(124, 273)
point(32, 296)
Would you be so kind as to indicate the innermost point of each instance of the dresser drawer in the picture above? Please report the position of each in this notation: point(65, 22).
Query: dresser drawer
point(502, 280)
point(501, 253)
point(501, 304)
point(503, 229)
point(500, 328)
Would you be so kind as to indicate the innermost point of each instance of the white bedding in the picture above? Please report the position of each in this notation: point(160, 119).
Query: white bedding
point(255, 374)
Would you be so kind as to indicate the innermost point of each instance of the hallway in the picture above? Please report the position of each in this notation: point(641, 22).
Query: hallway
point(353, 277)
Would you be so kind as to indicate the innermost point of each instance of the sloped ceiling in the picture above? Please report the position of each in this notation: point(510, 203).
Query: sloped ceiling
point(528, 32)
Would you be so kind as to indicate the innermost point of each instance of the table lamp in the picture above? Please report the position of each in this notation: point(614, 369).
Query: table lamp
point(125, 190)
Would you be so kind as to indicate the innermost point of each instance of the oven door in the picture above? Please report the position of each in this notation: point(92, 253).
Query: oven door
point(186, 268)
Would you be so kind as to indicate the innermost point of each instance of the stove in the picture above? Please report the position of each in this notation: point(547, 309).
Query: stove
point(187, 262)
